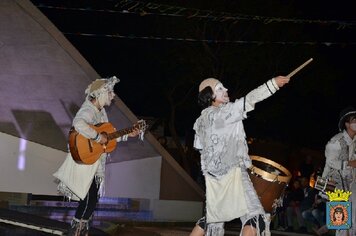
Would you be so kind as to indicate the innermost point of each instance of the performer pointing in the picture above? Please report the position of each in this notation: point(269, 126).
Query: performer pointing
point(221, 140)
point(83, 182)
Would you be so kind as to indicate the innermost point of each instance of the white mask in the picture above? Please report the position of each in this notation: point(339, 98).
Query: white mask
point(220, 93)
point(105, 98)
point(353, 127)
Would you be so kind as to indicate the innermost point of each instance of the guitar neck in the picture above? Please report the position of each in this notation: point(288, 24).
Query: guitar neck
point(120, 133)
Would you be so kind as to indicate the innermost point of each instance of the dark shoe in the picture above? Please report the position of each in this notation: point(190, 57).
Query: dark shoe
point(289, 229)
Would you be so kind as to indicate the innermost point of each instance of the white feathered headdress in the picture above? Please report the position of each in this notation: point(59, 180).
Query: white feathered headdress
point(101, 86)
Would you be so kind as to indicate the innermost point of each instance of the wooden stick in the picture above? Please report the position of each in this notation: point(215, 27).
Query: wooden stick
point(299, 68)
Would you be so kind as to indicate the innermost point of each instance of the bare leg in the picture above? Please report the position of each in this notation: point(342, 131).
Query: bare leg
point(197, 231)
point(248, 230)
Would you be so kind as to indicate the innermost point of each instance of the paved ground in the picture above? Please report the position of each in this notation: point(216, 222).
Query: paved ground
point(19, 223)
point(124, 230)
point(180, 231)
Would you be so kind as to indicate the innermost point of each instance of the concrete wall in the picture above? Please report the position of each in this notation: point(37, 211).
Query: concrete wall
point(184, 211)
point(27, 167)
point(134, 178)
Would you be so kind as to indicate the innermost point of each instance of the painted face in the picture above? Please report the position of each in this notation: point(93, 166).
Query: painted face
point(220, 93)
point(111, 95)
point(351, 124)
point(105, 98)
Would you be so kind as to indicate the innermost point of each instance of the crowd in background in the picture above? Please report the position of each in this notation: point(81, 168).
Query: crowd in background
point(303, 209)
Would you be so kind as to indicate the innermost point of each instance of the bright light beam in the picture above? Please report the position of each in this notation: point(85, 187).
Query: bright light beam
point(21, 163)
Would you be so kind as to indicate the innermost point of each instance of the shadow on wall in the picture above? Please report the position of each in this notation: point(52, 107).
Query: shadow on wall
point(40, 127)
point(70, 108)
point(9, 128)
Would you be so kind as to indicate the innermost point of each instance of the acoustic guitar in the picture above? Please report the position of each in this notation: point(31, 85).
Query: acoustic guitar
point(87, 151)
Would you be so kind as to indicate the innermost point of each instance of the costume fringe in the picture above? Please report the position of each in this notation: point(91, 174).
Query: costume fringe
point(267, 221)
point(100, 185)
point(215, 229)
point(68, 194)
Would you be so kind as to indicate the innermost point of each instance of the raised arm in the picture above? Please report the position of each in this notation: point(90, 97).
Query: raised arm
point(264, 91)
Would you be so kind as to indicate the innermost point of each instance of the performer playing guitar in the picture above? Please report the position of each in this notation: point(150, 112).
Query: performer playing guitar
point(83, 181)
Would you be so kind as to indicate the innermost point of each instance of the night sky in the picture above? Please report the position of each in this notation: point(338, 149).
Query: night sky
point(161, 50)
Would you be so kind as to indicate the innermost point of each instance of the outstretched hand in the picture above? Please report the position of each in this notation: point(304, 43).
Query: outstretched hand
point(281, 80)
point(134, 133)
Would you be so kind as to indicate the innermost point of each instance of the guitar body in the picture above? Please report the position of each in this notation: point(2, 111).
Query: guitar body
point(87, 151)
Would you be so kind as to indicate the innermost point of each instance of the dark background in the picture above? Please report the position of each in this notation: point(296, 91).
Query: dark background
point(161, 51)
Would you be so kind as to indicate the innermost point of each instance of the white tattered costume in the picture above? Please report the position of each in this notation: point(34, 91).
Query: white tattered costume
point(338, 152)
point(221, 140)
point(75, 179)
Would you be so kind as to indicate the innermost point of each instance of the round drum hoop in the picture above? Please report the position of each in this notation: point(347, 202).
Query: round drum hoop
point(267, 176)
